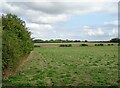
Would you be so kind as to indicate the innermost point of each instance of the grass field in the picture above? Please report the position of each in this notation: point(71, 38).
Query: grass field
point(65, 66)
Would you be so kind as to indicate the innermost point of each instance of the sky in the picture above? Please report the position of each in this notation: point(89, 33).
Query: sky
point(74, 19)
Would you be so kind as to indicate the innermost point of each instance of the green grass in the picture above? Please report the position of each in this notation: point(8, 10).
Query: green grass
point(65, 66)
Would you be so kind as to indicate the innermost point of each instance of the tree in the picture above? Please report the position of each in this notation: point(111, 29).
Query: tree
point(115, 40)
point(86, 41)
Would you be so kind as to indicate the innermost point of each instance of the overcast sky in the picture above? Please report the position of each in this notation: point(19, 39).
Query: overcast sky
point(78, 19)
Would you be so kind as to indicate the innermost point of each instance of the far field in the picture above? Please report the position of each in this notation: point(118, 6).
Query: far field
point(64, 66)
point(73, 44)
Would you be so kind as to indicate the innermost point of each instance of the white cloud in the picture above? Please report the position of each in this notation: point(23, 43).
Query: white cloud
point(52, 18)
point(89, 31)
point(99, 31)
point(113, 32)
point(93, 31)
point(115, 22)
point(35, 26)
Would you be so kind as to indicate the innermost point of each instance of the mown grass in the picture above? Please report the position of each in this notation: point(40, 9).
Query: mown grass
point(68, 66)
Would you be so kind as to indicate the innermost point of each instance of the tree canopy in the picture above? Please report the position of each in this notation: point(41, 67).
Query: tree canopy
point(115, 40)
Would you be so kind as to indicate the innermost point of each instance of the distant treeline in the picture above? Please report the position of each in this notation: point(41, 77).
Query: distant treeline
point(16, 41)
point(55, 41)
point(114, 40)
point(76, 45)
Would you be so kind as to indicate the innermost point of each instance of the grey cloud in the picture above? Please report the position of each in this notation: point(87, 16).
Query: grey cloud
point(45, 7)
point(66, 7)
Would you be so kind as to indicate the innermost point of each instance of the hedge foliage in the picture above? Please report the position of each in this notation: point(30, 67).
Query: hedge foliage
point(84, 45)
point(110, 44)
point(16, 41)
point(65, 45)
point(99, 44)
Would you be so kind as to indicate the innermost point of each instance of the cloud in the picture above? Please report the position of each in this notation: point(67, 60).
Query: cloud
point(35, 26)
point(113, 32)
point(115, 22)
point(43, 16)
point(53, 12)
point(51, 19)
point(92, 31)
point(58, 7)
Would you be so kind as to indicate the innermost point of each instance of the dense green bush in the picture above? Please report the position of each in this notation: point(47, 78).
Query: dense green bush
point(16, 41)
point(65, 45)
point(110, 44)
point(83, 45)
point(96, 44)
point(99, 44)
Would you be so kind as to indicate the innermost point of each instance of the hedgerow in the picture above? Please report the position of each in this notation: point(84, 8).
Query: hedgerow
point(16, 41)
point(65, 45)
point(84, 45)
point(99, 44)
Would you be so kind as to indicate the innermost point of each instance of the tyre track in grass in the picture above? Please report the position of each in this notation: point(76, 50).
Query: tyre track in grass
point(7, 73)
point(24, 61)
point(39, 60)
